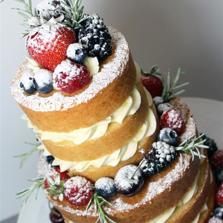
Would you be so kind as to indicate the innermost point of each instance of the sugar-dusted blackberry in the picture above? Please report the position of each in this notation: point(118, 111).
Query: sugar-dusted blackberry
point(161, 156)
point(95, 37)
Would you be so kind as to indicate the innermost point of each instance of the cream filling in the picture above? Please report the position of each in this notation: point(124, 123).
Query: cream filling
point(125, 153)
point(78, 136)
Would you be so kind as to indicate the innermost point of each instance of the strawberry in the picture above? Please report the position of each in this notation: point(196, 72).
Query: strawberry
point(70, 77)
point(217, 159)
point(78, 191)
point(63, 175)
point(48, 44)
point(219, 195)
point(153, 84)
point(173, 119)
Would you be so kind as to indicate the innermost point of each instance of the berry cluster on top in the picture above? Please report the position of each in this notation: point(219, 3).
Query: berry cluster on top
point(66, 43)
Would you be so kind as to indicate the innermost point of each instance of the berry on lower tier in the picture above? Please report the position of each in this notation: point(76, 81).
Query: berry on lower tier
point(160, 157)
point(27, 83)
point(217, 159)
point(173, 119)
point(215, 220)
point(48, 44)
point(70, 77)
point(55, 216)
point(211, 144)
point(95, 37)
point(219, 195)
point(44, 81)
point(164, 107)
point(129, 180)
point(105, 187)
point(169, 136)
point(218, 212)
point(78, 191)
point(49, 159)
point(153, 84)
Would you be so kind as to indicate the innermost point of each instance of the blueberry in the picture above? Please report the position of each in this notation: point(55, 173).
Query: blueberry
point(76, 53)
point(56, 216)
point(218, 174)
point(27, 84)
point(129, 180)
point(49, 159)
point(215, 220)
point(169, 136)
point(164, 107)
point(158, 100)
point(105, 187)
point(218, 212)
point(44, 81)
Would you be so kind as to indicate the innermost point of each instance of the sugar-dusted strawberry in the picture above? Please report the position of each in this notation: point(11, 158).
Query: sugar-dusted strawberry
point(173, 119)
point(217, 159)
point(152, 82)
point(70, 77)
point(219, 195)
point(48, 44)
point(78, 191)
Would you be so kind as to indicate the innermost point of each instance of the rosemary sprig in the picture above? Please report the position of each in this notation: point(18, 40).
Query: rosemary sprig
point(25, 156)
point(193, 146)
point(99, 203)
point(77, 12)
point(36, 185)
point(172, 88)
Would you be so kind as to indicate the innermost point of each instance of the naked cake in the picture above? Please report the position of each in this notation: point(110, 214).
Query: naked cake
point(116, 144)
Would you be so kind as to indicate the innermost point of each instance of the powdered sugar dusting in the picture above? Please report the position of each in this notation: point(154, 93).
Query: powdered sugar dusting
point(108, 73)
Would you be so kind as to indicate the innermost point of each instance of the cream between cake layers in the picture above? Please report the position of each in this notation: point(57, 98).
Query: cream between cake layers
point(116, 143)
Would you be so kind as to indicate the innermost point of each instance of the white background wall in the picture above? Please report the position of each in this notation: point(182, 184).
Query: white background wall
point(171, 33)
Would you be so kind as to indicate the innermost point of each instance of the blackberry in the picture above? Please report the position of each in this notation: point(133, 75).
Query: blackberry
point(160, 157)
point(211, 144)
point(95, 37)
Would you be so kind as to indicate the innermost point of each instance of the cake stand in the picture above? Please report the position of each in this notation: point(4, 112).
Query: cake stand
point(207, 113)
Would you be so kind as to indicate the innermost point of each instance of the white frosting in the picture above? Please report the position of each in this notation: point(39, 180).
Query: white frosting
point(78, 136)
point(92, 65)
point(125, 153)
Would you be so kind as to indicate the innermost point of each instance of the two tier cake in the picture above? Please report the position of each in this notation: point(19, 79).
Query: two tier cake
point(111, 148)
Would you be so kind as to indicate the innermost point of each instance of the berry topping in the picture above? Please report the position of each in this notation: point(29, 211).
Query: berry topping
point(219, 195)
point(169, 136)
point(49, 159)
point(158, 100)
point(218, 213)
point(218, 173)
point(48, 44)
point(164, 107)
point(95, 37)
point(153, 84)
point(78, 191)
point(160, 157)
point(211, 144)
point(27, 83)
point(215, 220)
point(63, 175)
point(129, 180)
point(70, 77)
point(105, 187)
point(76, 52)
point(55, 216)
point(217, 159)
point(173, 119)
point(43, 81)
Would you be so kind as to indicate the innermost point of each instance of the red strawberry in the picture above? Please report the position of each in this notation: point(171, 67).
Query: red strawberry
point(173, 119)
point(63, 175)
point(219, 195)
point(46, 184)
point(78, 191)
point(153, 84)
point(70, 77)
point(48, 44)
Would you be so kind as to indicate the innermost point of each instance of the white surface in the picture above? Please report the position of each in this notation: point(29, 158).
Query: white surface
point(171, 33)
point(208, 114)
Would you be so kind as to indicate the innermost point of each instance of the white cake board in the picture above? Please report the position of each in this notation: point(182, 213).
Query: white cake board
point(207, 113)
